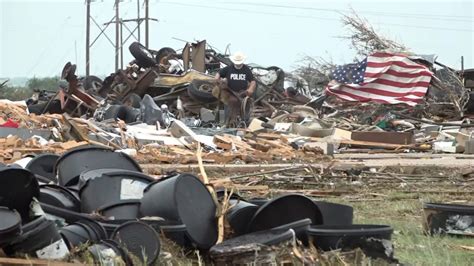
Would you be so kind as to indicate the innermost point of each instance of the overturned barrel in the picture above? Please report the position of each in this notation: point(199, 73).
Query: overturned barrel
point(40, 238)
point(18, 187)
point(71, 164)
point(82, 232)
point(139, 239)
point(43, 166)
point(284, 210)
point(184, 198)
point(103, 188)
point(60, 197)
point(10, 225)
point(334, 213)
point(239, 215)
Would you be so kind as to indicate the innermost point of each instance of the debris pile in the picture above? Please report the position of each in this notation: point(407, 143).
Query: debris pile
point(96, 203)
point(73, 181)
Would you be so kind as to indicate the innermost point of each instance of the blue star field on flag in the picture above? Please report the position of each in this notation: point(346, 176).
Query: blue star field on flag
point(350, 73)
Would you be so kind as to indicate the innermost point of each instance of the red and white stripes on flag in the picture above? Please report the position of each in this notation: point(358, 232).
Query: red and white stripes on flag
point(389, 78)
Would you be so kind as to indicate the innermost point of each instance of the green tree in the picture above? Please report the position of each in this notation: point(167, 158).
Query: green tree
point(48, 84)
point(16, 93)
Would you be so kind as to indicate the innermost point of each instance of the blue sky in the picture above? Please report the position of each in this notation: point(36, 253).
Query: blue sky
point(39, 37)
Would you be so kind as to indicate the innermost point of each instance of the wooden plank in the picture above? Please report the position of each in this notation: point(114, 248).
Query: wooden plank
point(274, 144)
point(79, 130)
point(376, 144)
point(258, 146)
point(397, 138)
point(250, 188)
point(269, 136)
point(72, 144)
point(251, 167)
point(221, 158)
point(18, 261)
point(222, 142)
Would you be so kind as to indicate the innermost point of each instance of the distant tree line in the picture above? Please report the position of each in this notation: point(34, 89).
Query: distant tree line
point(16, 93)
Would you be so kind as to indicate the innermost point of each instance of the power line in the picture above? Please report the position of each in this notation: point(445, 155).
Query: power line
point(404, 15)
point(58, 32)
point(308, 17)
point(247, 10)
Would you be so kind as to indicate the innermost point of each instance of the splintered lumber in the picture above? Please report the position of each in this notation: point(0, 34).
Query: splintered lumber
point(250, 188)
point(72, 144)
point(221, 158)
point(18, 261)
point(273, 143)
point(250, 167)
point(258, 146)
point(470, 248)
point(222, 182)
point(377, 145)
point(227, 142)
point(81, 132)
point(272, 136)
point(223, 142)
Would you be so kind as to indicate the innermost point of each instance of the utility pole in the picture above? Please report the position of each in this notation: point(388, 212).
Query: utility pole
point(146, 23)
point(120, 24)
point(138, 19)
point(88, 30)
point(117, 34)
point(121, 44)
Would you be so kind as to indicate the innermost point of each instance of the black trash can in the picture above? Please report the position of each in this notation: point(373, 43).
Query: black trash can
point(183, 198)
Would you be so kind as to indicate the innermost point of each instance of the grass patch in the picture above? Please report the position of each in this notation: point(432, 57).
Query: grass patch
point(412, 246)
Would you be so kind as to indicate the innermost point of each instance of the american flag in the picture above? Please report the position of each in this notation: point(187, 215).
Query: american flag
point(382, 77)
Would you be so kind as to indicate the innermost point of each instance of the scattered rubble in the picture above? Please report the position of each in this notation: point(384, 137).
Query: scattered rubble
point(77, 157)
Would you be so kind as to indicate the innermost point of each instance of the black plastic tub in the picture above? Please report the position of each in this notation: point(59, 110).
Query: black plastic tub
point(111, 225)
point(17, 189)
point(178, 234)
point(183, 198)
point(83, 232)
point(125, 210)
point(105, 187)
point(76, 234)
point(71, 164)
point(173, 230)
point(335, 214)
point(239, 215)
point(284, 210)
point(38, 235)
point(60, 197)
point(10, 225)
point(347, 237)
point(97, 228)
point(300, 228)
point(455, 219)
point(43, 165)
point(140, 239)
point(258, 201)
